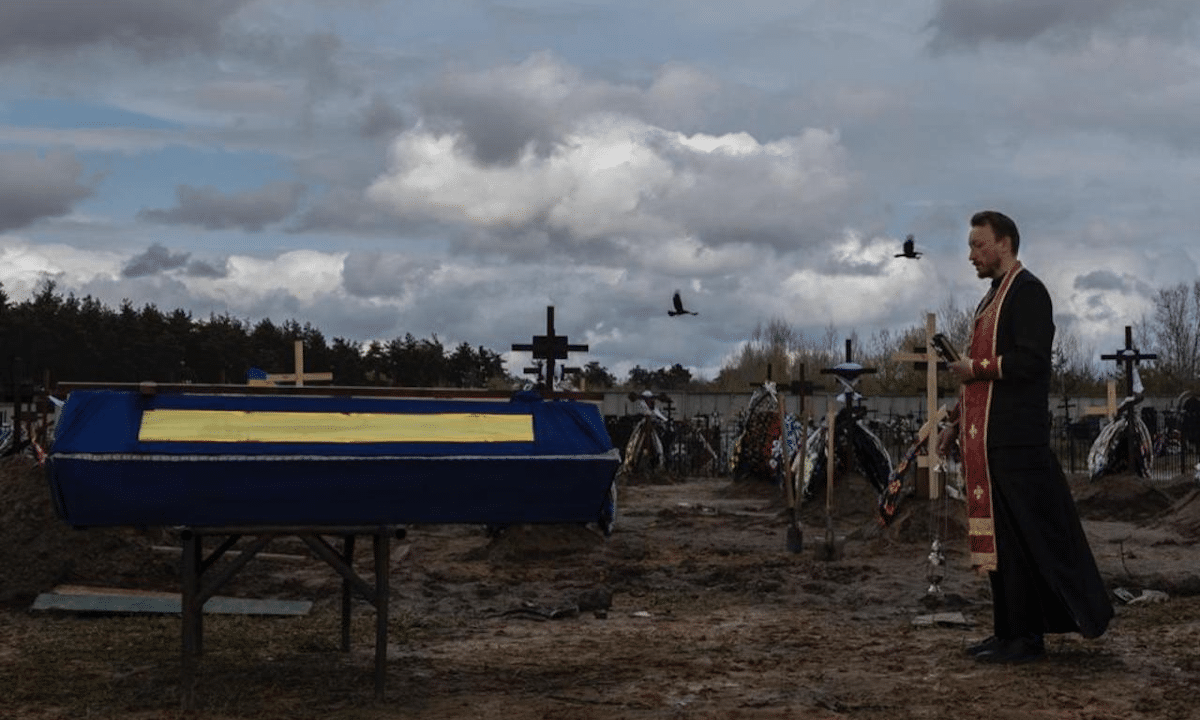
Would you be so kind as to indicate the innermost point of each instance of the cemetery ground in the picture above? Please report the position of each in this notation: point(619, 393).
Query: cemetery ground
point(693, 608)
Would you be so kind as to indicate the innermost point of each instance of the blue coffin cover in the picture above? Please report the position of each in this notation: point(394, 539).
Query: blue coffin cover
point(103, 471)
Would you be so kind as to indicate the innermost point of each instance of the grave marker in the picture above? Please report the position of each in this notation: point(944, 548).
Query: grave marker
point(298, 377)
point(549, 347)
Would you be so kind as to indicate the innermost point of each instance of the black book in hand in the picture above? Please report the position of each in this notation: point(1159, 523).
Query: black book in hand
point(946, 351)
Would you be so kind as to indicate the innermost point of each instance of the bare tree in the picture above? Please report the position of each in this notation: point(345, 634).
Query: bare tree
point(784, 348)
point(1073, 367)
point(955, 322)
point(1177, 330)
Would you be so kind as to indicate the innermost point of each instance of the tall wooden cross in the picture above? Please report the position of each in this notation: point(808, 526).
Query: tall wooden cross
point(770, 370)
point(549, 347)
point(1109, 408)
point(801, 388)
point(298, 377)
point(1130, 356)
point(929, 357)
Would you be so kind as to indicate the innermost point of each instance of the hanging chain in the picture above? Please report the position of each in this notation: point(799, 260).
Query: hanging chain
point(938, 530)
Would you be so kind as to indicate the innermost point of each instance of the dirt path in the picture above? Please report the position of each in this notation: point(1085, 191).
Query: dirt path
point(692, 609)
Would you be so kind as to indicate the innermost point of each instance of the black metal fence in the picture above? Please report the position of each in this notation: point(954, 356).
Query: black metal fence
point(1175, 435)
point(699, 446)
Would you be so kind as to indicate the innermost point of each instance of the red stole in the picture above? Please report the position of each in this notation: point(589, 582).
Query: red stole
point(976, 406)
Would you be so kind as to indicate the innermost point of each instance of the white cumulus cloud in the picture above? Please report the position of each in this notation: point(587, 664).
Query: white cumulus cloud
point(613, 176)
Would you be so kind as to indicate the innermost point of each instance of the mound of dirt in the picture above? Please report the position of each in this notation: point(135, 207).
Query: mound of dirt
point(40, 551)
point(1127, 498)
point(1184, 516)
point(522, 542)
point(923, 520)
point(853, 498)
point(856, 503)
point(753, 488)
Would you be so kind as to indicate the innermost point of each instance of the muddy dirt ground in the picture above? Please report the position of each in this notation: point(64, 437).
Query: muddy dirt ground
point(693, 608)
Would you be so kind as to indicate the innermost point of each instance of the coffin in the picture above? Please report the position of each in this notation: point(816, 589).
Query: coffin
point(127, 458)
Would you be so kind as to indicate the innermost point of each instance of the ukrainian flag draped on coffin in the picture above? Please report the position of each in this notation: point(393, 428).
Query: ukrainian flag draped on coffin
point(124, 458)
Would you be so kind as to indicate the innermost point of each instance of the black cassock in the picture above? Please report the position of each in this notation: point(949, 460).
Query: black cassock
point(1046, 579)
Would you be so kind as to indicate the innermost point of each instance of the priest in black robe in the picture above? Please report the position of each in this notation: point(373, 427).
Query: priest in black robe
point(1023, 526)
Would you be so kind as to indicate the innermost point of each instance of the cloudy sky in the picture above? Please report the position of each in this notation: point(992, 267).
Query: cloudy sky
point(379, 167)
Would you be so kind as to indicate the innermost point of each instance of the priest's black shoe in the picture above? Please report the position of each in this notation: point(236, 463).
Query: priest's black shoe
point(989, 645)
point(1015, 651)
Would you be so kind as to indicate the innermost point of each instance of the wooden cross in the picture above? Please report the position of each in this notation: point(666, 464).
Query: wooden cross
point(298, 377)
point(929, 357)
point(801, 388)
point(765, 382)
point(549, 347)
point(760, 384)
point(1109, 408)
point(1129, 356)
point(848, 372)
point(1066, 406)
point(781, 407)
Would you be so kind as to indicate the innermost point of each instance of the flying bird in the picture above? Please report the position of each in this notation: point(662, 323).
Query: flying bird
point(910, 251)
point(679, 307)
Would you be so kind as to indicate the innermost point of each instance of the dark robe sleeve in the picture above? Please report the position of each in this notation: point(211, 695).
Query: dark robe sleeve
point(1031, 320)
point(1024, 338)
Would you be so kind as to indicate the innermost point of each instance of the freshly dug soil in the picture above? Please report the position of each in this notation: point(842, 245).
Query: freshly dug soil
point(693, 608)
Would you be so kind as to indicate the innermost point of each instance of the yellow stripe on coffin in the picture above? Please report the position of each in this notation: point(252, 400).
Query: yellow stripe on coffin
point(231, 426)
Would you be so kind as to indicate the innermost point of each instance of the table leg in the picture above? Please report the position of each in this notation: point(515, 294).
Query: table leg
point(382, 597)
point(347, 591)
point(192, 619)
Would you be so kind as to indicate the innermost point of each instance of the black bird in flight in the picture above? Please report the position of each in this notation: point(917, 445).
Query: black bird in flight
point(909, 250)
point(679, 307)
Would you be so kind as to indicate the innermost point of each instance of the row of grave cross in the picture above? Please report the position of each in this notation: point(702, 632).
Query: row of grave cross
point(549, 348)
point(552, 347)
point(847, 372)
point(801, 388)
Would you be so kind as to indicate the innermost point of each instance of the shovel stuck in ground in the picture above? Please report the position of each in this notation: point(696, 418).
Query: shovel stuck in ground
point(833, 547)
point(795, 536)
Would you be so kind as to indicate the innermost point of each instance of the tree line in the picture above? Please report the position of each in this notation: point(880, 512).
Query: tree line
point(73, 339)
point(81, 339)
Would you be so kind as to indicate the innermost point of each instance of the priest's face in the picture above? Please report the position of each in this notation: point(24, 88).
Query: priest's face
point(985, 252)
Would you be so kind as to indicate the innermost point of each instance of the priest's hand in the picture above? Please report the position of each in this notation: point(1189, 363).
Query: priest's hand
point(946, 439)
point(964, 369)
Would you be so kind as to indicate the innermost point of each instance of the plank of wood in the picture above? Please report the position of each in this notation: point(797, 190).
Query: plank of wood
point(942, 619)
point(76, 598)
point(94, 590)
point(398, 554)
point(279, 557)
